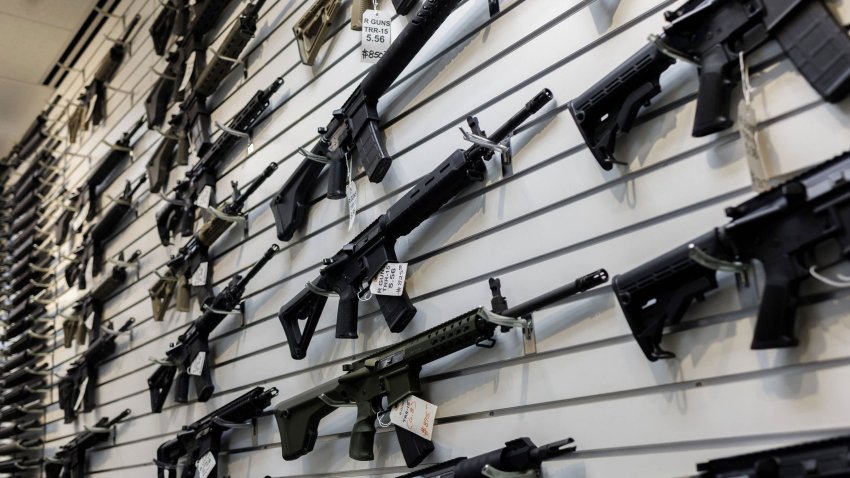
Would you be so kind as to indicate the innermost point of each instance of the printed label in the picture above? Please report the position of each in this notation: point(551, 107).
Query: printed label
point(197, 365)
point(351, 198)
point(199, 278)
point(82, 394)
point(747, 124)
point(375, 38)
point(390, 281)
point(205, 465)
point(415, 415)
point(203, 200)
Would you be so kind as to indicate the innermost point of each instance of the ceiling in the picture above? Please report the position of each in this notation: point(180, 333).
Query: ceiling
point(33, 36)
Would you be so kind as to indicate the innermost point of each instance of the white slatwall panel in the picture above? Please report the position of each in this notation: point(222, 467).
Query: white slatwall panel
point(559, 216)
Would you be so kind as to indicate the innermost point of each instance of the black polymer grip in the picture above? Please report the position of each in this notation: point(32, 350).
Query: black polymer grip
point(715, 91)
point(160, 163)
point(817, 45)
point(610, 106)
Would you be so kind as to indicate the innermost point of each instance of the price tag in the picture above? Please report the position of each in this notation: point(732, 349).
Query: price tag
point(415, 415)
point(80, 218)
point(250, 143)
point(197, 365)
point(375, 38)
point(759, 171)
point(89, 324)
point(351, 196)
point(199, 278)
point(205, 465)
point(203, 199)
point(82, 394)
point(390, 281)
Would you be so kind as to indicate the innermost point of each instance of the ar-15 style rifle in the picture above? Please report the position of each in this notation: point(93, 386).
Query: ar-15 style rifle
point(179, 213)
point(96, 90)
point(813, 459)
point(70, 460)
point(204, 16)
point(20, 428)
point(70, 206)
point(76, 388)
point(202, 439)
point(519, 458)
point(190, 355)
point(75, 327)
point(100, 176)
point(182, 266)
point(714, 34)
point(24, 392)
point(172, 20)
point(195, 126)
point(33, 137)
point(20, 466)
point(94, 239)
point(393, 373)
point(781, 228)
point(355, 128)
point(359, 261)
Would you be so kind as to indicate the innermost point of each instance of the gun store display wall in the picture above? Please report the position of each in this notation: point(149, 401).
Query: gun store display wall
point(540, 203)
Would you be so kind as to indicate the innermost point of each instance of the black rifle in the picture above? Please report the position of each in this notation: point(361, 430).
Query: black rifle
point(70, 460)
point(27, 357)
point(363, 258)
point(355, 128)
point(91, 305)
point(20, 428)
point(780, 228)
point(31, 339)
point(520, 456)
point(77, 386)
point(14, 413)
point(179, 213)
point(172, 20)
point(96, 90)
point(190, 355)
point(20, 467)
point(205, 15)
point(820, 458)
point(183, 265)
point(63, 223)
point(21, 446)
point(713, 34)
point(169, 149)
point(24, 392)
point(195, 127)
point(203, 437)
point(99, 179)
point(33, 137)
point(21, 326)
point(94, 239)
point(393, 373)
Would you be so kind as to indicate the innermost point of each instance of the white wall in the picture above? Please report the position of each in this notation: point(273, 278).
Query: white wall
point(559, 216)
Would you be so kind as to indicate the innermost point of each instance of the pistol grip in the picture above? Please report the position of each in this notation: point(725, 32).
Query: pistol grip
point(181, 388)
point(337, 177)
point(398, 311)
point(715, 91)
point(776, 316)
point(346, 319)
point(305, 306)
point(184, 295)
point(363, 433)
point(187, 220)
point(204, 384)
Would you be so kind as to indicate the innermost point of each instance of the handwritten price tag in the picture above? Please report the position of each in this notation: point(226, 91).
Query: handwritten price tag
point(205, 465)
point(197, 366)
point(199, 278)
point(203, 200)
point(375, 38)
point(415, 415)
point(390, 281)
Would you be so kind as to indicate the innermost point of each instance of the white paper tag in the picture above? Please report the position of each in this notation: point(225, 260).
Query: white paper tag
point(250, 145)
point(203, 200)
point(205, 465)
point(82, 394)
point(390, 281)
point(199, 278)
point(747, 124)
point(375, 38)
point(197, 365)
point(89, 323)
point(351, 198)
point(415, 415)
point(80, 217)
